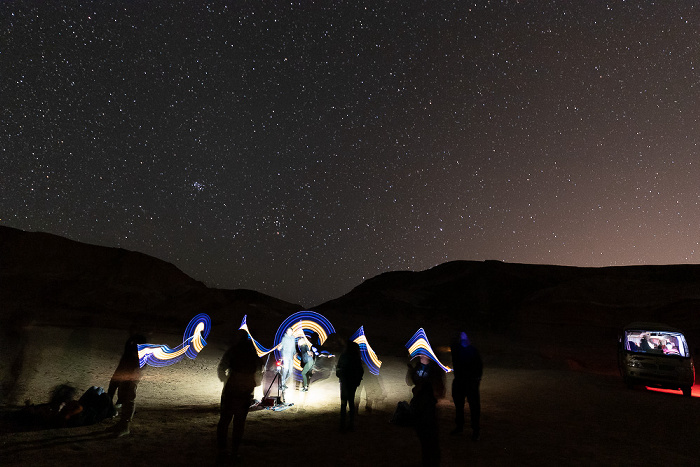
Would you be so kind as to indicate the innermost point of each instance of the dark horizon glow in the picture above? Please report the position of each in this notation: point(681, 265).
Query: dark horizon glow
point(300, 148)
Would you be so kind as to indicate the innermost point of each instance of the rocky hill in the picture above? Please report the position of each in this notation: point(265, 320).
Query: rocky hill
point(52, 280)
point(549, 306)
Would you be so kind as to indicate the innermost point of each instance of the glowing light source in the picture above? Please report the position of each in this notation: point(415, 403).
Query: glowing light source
point(419, 345)
point(306, 323)
point(368, 356)
point(193, 342)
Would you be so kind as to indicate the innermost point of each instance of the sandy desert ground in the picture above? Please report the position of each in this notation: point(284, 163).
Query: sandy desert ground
point(536, 411)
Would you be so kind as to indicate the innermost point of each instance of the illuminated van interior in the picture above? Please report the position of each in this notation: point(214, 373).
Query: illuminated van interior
point(656, 342)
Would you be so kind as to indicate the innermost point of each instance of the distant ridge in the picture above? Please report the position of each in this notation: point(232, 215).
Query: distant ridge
point(49, 279)
point(543, 302)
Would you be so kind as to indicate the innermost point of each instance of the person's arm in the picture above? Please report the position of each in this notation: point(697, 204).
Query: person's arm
point(222, 369)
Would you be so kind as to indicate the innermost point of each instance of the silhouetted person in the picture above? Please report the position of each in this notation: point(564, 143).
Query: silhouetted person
point(124, 382)
point(468, 369)
point(349, 371)
point(428, 386)
point(287, 351)
point(240, 370)
point(307, 361)
point(374, 394)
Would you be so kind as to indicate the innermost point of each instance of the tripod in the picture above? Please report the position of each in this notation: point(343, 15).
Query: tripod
point(278, 378)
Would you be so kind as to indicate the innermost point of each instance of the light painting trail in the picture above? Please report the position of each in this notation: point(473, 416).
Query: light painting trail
point(259, 349)
point(311, 322)
point(368, 356)
point(193, 342)
point(419, 345)
point(305, 322)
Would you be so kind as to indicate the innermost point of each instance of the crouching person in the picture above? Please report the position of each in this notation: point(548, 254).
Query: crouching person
point(239, 369)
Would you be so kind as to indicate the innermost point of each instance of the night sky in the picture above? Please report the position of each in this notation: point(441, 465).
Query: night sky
point(299, 148)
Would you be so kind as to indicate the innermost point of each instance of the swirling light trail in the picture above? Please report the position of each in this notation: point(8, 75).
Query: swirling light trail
point(368, 356)
point(307, 322)
point(259, 349)
point(193, 342)
point(419, 345)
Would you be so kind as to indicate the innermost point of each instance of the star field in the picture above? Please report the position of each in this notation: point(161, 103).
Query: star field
point(298, 148)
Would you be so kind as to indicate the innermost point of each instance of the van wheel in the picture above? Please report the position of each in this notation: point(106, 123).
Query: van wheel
point(687, 391)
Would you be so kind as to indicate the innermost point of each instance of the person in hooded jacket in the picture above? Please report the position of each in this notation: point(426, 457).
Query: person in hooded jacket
point(468, 370)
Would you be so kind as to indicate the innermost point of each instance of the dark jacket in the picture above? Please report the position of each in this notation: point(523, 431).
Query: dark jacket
point(304, 354)
point(349, 368)
point(466, 362)
point(240, 368)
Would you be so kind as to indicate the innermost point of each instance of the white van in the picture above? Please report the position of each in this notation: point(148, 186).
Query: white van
point(656, 355)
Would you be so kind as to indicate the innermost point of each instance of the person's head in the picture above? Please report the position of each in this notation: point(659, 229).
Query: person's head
point(463, 339)
point(352, 347)
point(62, 393)
point(239, 338)
point(289, 332)
point(131, 346)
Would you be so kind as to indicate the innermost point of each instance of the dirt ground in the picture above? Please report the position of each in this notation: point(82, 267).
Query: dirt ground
point(534, 413)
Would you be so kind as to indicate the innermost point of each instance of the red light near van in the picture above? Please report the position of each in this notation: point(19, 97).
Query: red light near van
point(695, 391)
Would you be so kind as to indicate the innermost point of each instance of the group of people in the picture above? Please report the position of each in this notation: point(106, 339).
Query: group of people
point(239, 369)
point(656, 345)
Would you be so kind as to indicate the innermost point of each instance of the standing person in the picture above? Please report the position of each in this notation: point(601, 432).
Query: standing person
point(307, 361)
point(239, 369)
point(349, 371)
point(124, 382)
point(468, 369)
point(287, 350)
point(428, 382)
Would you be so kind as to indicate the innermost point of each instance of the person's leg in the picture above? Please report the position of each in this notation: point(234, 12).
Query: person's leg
point(353, 408)
point(343, 411)
point(474, 400)
point(430, 445)
point(127, 394)
point(225, 417)
point(343, 405)
point(458, 396)
point(305, 373)
point(284, 376)
point(241, 406)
